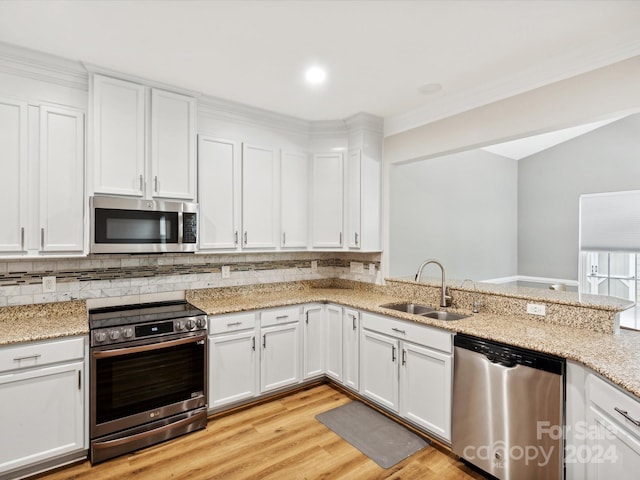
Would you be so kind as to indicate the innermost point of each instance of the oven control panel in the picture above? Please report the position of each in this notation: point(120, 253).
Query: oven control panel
point(128, 333)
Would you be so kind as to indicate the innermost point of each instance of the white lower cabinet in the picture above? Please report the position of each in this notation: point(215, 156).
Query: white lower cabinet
point(351, 348)
point(315, 327)
point(280, 348)
point(44, 383)
point(333, 344)
point(407, 368)
point(232, 359)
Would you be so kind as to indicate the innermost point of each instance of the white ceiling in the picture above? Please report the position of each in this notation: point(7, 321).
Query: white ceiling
point(377, 53)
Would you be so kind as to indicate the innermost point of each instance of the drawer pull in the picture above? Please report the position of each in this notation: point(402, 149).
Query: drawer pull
point(354, 322)
point(253, 343)
point(626, 415)
point(234, 324)
point(27, 357)
point(393, 354)
point(282, 317)
point(404, 357)
point(399, 331)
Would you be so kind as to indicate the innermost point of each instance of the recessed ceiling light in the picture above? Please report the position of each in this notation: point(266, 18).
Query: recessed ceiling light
point(315, 75)
point(430, 88)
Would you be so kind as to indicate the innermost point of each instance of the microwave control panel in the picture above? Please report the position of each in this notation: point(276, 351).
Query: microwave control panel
point(190, 228)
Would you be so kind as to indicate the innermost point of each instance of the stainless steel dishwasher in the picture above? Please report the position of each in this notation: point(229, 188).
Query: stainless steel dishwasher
point(507, 413)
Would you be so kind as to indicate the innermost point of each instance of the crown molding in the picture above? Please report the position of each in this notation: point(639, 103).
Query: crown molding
point(365, 121)
point(228, 110)
point(555, 69)
point(41, 66)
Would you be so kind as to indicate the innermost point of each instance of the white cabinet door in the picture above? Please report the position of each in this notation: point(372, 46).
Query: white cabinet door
point(118, 136)
point(280, 353)
point(13, 181)
point(232, 372)
point(294, 199)
point(218, 193)
point(425, 388)
point(259, 196)
point(354, 202)
point(379, 369)
point(61, 180)
point(314, 341)
point(46, 417)
point(334, 342)
point(328, 200)
point(612, 453)
point(173, 144)
point(351, 350)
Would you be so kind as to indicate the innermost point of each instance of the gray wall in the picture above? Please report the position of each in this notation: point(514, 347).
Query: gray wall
point(460, 209)
point(549, 187)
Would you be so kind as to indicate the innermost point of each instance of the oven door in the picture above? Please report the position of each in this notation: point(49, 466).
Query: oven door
point(146, 381)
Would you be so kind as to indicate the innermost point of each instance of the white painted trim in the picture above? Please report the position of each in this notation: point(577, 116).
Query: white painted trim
point(526, 278)
point(29, 63)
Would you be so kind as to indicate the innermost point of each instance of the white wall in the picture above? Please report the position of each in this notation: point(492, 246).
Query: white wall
point(588, 97)
point(460, 209)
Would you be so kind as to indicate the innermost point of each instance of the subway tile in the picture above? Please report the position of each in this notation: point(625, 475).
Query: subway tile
point(20, 300)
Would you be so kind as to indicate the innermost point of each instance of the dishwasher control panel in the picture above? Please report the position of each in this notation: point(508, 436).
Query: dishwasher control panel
point(510, 356)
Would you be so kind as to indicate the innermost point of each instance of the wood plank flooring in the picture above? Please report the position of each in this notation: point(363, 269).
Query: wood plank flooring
point(280, 439)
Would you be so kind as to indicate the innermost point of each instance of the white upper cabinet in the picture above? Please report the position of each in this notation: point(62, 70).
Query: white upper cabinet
point(173, 165)
point(61, 180)
point(260, 188)
point(328, 200)
point(364, 200)
point(143, 140)
point(294, 200)
point(118, 136)
point(13, 181)
point(219, 193)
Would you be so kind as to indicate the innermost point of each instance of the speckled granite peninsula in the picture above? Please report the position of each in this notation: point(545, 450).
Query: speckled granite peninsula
point(571, 329)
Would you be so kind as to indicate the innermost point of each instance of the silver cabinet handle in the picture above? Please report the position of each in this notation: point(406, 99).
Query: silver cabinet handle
point(245, 237)
point(626, 415)
point(264, 341)
point(22, 238)
point(42, 237)
point(393, 353)
point(307, 317)
point(340, 238)
point(141, 183)
point(79, 379)
point(397, 330)
point(155, 184)
point(253, 343)
point(353, 320)
point(284, 238)
point(404, 357)
point(234, 324)
point(356, 238)
point(27, 357)
point(282, 317)
point(235, 237)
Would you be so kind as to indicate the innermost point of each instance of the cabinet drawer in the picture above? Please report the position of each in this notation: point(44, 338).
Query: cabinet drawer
point(412, 332)
point(35, 354)
point(231, 323)
point(279, 316)
point(608, 397)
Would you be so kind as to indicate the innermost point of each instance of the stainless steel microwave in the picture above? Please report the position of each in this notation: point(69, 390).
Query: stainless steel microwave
point(126, 225)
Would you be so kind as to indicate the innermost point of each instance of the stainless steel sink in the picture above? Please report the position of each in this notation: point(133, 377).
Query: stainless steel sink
point(444, 315)
point(415, 308)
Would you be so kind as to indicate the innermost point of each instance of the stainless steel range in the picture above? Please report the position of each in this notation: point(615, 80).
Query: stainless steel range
point(148, 375)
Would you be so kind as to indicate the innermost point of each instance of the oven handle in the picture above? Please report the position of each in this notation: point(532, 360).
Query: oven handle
point(142, 435)
point(148, 348)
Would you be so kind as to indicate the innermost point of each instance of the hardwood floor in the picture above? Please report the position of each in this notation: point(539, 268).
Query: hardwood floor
point(280, 439)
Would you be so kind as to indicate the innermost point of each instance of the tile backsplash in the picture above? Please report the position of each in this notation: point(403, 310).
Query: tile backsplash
point(99, 276)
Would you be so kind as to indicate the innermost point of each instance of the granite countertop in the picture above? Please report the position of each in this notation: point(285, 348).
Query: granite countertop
point(30, 323)
point(615, 357)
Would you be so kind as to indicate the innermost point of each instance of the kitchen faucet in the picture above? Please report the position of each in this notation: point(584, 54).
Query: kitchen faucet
point(445, 299)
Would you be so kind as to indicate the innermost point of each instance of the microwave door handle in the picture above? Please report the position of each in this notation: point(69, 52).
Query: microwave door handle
point(148, 348)
point(180, 227)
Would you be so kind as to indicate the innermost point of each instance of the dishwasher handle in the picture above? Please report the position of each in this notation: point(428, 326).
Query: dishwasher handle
point(501, 361)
